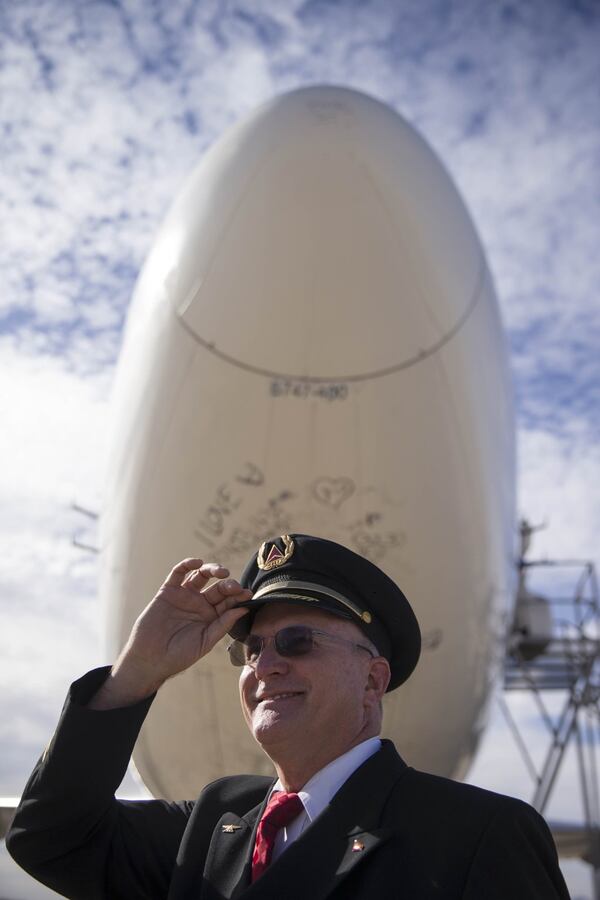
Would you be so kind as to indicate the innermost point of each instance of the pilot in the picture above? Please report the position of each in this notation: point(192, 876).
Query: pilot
point(320, 634)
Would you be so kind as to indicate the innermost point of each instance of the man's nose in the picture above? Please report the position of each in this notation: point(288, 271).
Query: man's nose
point(269, 661)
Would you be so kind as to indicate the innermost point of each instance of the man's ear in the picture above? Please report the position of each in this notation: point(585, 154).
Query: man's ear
point(379, 677)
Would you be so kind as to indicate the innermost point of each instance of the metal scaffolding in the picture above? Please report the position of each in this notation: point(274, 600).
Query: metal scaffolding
point(554, 648)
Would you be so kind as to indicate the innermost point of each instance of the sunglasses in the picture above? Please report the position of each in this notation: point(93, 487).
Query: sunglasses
point(295, 640)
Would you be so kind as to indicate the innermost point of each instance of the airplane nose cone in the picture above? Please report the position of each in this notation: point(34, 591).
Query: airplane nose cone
point(382, 275)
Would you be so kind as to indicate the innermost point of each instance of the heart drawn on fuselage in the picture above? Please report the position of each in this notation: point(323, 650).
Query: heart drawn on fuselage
point(333, 491)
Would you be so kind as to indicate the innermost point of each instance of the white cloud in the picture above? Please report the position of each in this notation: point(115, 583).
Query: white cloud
point(557, 478)
point(51, 449)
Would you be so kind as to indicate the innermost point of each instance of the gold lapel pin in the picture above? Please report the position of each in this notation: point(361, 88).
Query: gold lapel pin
point(229, 829)
point(357, 846)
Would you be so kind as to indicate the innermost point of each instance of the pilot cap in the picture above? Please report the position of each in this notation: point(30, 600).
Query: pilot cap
point(320, 574)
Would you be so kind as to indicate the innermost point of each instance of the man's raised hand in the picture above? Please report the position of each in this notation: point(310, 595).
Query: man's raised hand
point(192, 610)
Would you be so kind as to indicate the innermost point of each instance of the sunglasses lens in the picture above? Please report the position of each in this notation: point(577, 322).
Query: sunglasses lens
point(237, 653)
point(296, 640)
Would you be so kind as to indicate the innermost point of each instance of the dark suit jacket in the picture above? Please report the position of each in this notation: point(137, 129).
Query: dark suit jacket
point(390, 832)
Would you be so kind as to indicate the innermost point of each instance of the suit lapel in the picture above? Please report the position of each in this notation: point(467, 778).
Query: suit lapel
point(359, 846)
point(315, 863)
point(228, 863)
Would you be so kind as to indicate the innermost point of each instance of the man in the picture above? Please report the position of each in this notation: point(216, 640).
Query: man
point(321, 634)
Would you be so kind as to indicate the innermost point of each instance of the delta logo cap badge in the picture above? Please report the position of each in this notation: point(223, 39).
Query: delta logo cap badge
point(271, 557)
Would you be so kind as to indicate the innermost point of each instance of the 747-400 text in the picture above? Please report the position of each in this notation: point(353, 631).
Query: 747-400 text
point(284, 387)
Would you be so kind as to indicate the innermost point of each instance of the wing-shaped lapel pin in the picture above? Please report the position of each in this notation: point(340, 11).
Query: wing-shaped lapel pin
point(227, 866)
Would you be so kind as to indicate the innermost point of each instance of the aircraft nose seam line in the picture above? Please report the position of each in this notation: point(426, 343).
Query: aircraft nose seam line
point(364, 376)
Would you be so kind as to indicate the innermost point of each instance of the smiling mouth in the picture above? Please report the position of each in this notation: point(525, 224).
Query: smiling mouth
point(284, 695)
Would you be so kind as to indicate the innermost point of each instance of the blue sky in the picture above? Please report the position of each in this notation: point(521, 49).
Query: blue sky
point(104, 109)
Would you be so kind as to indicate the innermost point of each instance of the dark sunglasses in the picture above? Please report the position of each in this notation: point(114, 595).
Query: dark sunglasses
point(295, 640)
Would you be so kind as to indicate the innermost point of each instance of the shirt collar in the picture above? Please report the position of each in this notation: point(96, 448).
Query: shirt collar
point(318, 791)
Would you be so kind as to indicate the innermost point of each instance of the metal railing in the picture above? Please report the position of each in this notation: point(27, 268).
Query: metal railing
point(564, 662)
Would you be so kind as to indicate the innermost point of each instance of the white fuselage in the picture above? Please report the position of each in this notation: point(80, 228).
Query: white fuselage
point(314, 346)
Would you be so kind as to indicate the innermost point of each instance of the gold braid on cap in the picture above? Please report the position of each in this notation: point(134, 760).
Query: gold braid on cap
point(292, 586)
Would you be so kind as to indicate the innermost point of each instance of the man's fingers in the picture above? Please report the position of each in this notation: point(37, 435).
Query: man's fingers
point(194, 572)
point(230, 589)
point(199, 578)
point(224, 623)
point(183, 568)
point(222, 595)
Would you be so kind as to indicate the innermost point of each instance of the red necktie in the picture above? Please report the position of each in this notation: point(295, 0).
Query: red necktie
point(279, 812)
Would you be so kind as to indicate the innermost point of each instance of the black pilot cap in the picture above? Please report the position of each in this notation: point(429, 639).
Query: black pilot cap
point(304, 570)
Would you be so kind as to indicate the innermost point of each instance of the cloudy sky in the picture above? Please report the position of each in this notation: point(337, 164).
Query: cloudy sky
point(106, 106)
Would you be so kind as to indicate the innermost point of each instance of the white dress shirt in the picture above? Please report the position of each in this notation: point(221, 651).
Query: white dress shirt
point(317, 793)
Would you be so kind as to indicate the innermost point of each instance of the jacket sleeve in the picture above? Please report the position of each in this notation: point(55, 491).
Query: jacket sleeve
point(70, 832)
point(516, 857)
